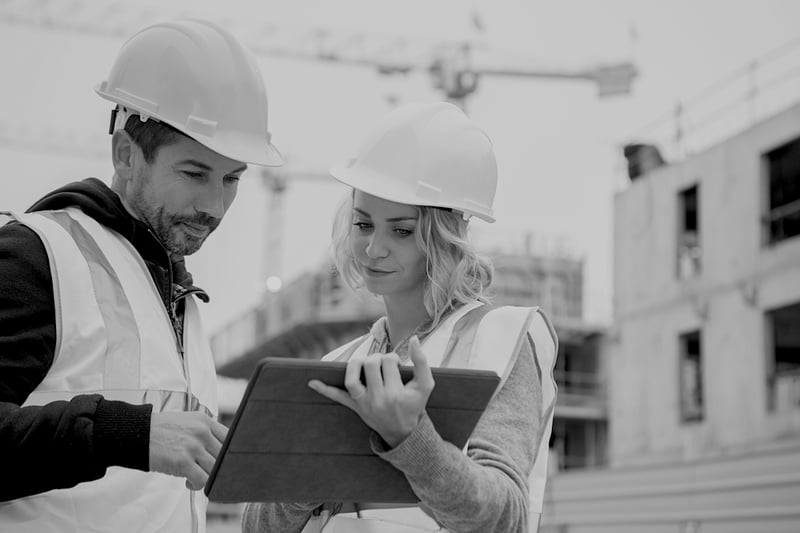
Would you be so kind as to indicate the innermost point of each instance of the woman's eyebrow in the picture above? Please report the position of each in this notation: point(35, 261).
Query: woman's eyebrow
point(392, 219)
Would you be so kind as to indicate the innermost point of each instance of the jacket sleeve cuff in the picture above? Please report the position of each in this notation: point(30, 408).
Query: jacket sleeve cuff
point(122, 434)
point(415, 451)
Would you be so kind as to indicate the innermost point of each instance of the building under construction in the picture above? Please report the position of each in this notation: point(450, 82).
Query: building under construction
point(704, 356)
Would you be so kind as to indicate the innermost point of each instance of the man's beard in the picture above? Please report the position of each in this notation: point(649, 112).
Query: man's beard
point(168, 228)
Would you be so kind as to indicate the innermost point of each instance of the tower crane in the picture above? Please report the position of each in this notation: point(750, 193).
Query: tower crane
point(455, 68)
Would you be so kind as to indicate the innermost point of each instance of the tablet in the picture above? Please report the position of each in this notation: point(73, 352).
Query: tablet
point(288, 443)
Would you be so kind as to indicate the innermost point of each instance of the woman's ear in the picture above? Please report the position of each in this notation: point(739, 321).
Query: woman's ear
point(123, 152)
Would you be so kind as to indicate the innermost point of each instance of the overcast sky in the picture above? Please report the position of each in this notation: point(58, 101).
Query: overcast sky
point(558, 145)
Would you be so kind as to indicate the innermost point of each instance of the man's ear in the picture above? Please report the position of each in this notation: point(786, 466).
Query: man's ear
point(123, 154)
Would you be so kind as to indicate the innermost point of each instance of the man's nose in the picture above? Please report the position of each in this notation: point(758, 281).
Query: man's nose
point(211, 200)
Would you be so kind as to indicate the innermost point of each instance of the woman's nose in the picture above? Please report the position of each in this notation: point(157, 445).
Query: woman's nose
point(376, 248)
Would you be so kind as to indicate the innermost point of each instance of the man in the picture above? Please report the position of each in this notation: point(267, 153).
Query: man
point(103, 361)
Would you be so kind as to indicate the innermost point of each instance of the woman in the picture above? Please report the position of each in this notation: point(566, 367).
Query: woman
point(402, 235)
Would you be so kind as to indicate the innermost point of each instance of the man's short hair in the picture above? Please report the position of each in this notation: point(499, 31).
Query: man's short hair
point(150, 135)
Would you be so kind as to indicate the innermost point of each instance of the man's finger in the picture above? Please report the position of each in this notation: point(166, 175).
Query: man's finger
point(220, 431)
point(196, 477)
point(206, 461)
point(214, 447)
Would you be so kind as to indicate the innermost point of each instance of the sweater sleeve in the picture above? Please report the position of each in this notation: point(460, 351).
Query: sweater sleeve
point(62, 443)
point(486, 489)
point(27, 313)
point(59, 445)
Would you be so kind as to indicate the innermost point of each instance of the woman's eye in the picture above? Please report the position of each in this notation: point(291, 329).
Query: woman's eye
point(363, 226)
point(404, 232)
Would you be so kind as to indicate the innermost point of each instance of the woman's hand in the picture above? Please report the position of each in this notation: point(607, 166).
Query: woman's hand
point(385, 404)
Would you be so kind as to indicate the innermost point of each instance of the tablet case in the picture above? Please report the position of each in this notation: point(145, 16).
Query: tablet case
point(288, 443)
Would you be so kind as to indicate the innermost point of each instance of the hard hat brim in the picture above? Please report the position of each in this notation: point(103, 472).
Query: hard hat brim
point(265, 154)
point(394, 190)
point(236, 147)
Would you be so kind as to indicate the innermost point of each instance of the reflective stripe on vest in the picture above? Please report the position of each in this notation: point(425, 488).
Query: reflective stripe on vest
point(115, 338)
point(545, 346)
point(481, 337)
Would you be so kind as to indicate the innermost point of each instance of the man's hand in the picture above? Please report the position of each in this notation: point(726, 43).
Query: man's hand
point(385, 404)
point(185, 445)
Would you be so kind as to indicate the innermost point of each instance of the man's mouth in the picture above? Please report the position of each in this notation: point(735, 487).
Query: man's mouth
point(195, 230)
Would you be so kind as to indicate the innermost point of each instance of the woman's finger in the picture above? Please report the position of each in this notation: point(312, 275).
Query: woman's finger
point(352, 378)
point(422, 372)
point(372, 373)
point(332, 393)
point(390, 367)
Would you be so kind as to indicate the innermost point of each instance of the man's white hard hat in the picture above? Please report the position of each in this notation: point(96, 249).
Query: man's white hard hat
point(199, 79)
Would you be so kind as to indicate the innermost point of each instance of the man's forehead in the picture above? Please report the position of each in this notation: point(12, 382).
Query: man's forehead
point(187, 151)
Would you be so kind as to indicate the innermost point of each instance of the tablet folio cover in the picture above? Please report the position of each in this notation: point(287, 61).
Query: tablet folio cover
point(288, 443)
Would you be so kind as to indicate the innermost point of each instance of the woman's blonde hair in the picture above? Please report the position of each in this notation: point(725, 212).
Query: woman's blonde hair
point(457, 274)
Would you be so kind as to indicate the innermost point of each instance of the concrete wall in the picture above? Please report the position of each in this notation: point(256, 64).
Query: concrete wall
point(758, 491)
point(741, 279)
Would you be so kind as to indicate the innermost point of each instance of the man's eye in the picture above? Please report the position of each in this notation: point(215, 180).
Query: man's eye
point(193, 175)
point(232, 179)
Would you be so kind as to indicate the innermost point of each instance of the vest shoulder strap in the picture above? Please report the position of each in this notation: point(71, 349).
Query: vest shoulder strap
point(65, 262)
point(497, 344)
point(344, 352)
point(498, 339)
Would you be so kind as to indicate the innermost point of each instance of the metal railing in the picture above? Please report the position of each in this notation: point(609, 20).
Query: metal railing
point(580, 385)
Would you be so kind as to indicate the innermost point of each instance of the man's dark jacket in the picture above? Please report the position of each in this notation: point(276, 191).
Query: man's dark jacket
point(67, 442)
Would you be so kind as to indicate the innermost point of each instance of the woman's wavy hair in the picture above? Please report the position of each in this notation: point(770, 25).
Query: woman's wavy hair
point(457, 274)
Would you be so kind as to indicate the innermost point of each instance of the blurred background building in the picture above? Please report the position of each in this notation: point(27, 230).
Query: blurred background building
point(703, 358)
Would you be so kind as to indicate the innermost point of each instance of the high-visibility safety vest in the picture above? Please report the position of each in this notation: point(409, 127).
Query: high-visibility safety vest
point(115, 338)
point(476, 336)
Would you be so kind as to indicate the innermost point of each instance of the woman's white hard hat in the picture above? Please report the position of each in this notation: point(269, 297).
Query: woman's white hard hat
point(199, 79)
point(426, 154)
